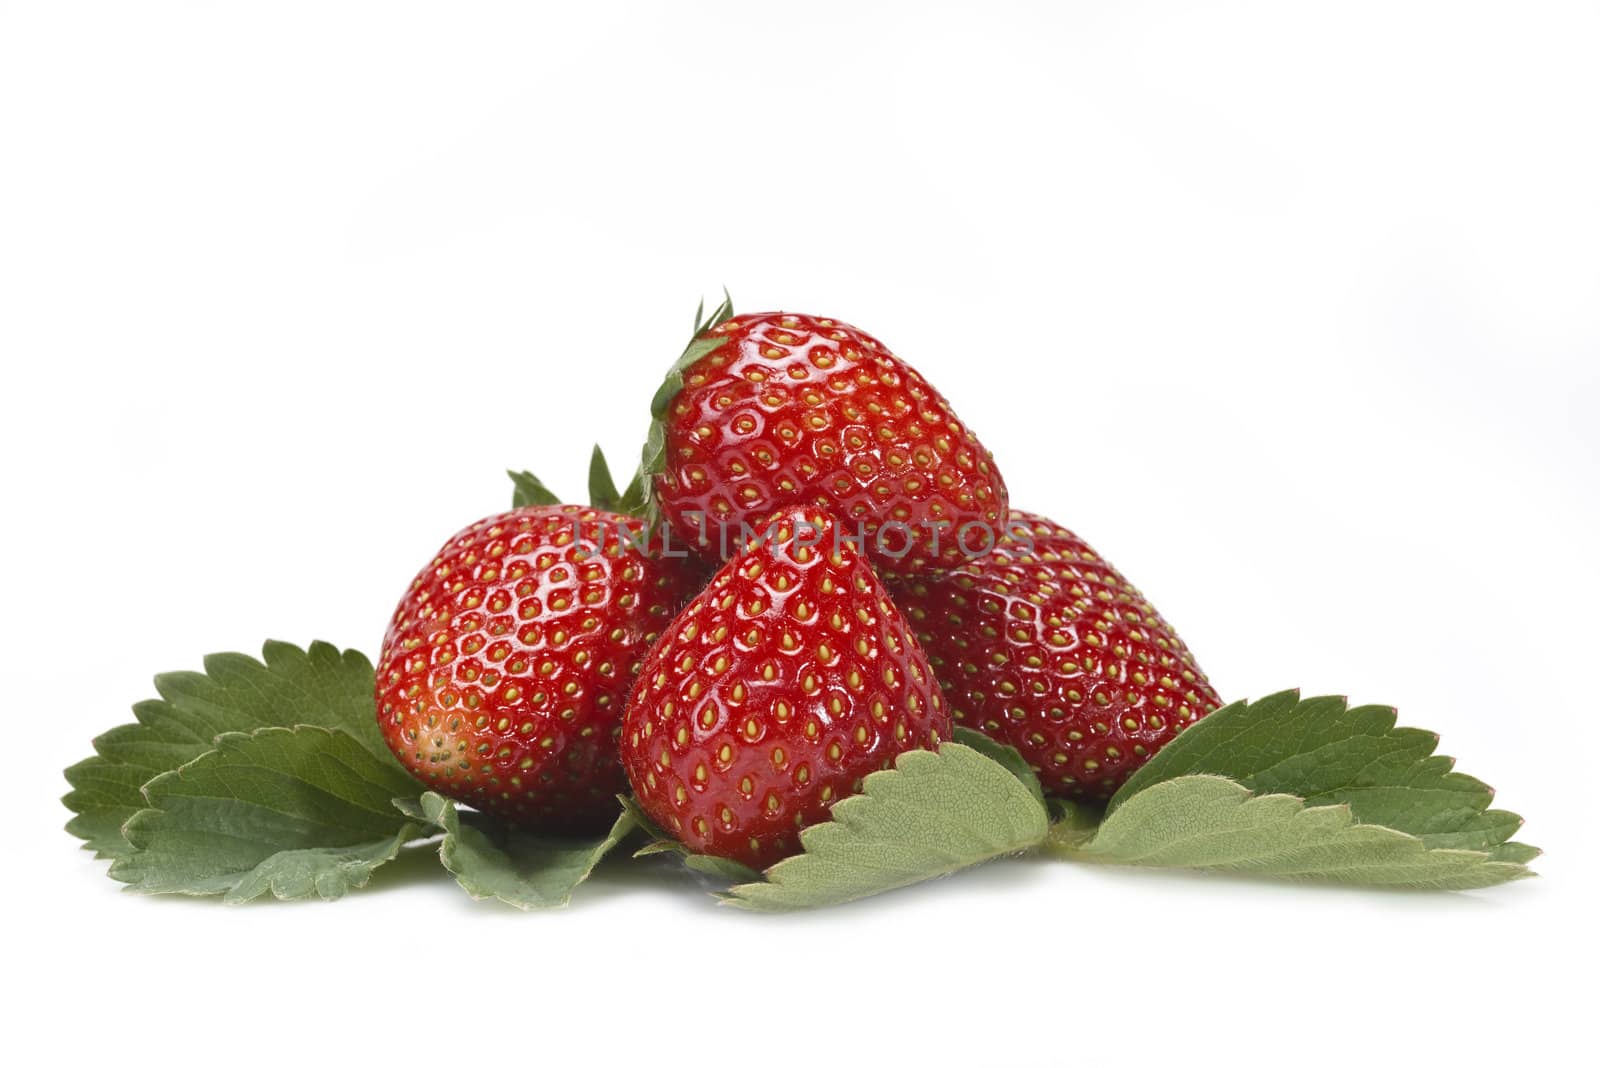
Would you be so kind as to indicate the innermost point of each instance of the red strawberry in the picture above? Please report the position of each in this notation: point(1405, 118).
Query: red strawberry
point(1045, 647)
point(507, 663)
point(775, 410)
point(785, 682)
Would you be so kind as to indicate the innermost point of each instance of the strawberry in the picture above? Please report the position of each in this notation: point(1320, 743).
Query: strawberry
point(785, 682)
point(775, 410)
point(1042, 645)
point(507, 663)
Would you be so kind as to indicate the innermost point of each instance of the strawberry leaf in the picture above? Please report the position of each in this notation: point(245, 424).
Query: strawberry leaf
point(932, 814)
point(525, 870)
point(730, 871)
point(1213, 823)
point(528, 490)
point(1004, 755)
point(285, 687)
point(1327, 753)
point(295, 812)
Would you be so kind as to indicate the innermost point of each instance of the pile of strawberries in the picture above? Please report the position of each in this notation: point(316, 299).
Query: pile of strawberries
point(815, 570)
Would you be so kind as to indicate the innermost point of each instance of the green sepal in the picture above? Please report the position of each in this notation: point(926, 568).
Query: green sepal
point(699, 346)
point(602, 488)
point(652, 460)
point(603, 492)
point(528, 490)
point(635, 497)
point(730, 871)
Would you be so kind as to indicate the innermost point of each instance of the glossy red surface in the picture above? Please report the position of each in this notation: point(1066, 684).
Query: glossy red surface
point(785, 682)
point(1046, 647)
point(507, 663)
point(795, 410)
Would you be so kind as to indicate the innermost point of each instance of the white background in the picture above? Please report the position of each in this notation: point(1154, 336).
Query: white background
point(1292, 309)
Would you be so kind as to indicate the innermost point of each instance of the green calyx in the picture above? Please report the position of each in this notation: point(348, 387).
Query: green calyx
point(653, 460)
point(603, 492)
point(528, 489)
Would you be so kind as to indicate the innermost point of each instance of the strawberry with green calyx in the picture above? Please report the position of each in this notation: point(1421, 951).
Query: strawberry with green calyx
point(777, 690)
point(507, 663)
point(778, 410)
point(1043, 645)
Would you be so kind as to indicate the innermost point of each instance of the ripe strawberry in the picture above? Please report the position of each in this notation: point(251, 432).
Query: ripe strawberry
point(507, 663)
point(1044, 646)
point(783, 684)
point(775, 410)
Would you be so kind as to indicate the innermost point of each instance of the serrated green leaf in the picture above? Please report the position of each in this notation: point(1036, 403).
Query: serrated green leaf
point(1327, 753)
point(661, 842)
point(602, 488)
point(411, 808)
point(1213, 823)
point(1004, 755)
point(295, 812)
point(525, 870)
point(528, 490)
point(932, 814)
point(105, 794)
point(320, 686)
point(1515, 852)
